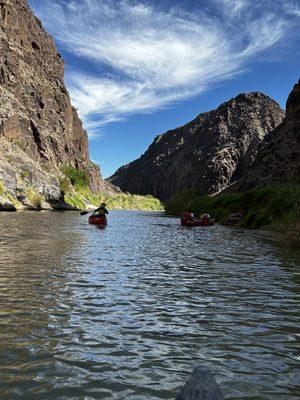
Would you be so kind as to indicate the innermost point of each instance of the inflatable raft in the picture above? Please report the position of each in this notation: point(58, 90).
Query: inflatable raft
point(98, 220)
point(197, 222)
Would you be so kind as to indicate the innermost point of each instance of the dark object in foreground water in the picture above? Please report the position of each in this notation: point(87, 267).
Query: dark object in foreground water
point(201, 386)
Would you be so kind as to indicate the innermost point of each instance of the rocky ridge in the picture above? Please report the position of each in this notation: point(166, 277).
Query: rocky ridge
point(208, 154)
point(278, 159)
point(40, 131)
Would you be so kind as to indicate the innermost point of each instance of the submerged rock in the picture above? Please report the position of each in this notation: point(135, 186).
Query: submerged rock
point(201, 386)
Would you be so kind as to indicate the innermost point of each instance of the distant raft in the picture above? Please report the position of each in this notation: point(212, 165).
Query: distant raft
point(197, 222)
point(99, 220)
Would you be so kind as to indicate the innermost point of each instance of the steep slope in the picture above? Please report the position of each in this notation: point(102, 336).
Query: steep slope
point(207, 154)
point(278, 159)
point(40, 131)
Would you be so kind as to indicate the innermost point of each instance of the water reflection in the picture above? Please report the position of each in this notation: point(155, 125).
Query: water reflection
point(125, 312)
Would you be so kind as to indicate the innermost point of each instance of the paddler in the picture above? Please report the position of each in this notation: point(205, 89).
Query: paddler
point(101, 210)
point(188, 215)
point(205, 218)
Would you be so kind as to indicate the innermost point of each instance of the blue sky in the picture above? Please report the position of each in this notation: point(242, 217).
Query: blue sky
point(135, 69)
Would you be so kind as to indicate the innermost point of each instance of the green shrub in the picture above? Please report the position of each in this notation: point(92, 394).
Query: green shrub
point(276, 208)
point(78, 178)
point(78, 197)
point(25, 174)
point(65, 185)
point(1, 187)
point(34, 197)
point(14, 201)
point(180, 202)
point(75, 201)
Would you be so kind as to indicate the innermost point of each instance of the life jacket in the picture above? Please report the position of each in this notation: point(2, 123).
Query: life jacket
point(187, 215)
point(205, 217)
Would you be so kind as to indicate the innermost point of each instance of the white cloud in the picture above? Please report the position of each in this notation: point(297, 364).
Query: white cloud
point(234, 8)
point(145, 58)
point(293, 8)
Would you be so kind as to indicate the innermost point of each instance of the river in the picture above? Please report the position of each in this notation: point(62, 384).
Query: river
point(125, 312)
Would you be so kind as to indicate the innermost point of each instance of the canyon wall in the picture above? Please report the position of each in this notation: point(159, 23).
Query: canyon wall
point(278, 158)
point(208, 154)
point(40, 131)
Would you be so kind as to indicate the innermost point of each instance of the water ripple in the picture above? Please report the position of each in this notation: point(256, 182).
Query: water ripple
point(126, 312)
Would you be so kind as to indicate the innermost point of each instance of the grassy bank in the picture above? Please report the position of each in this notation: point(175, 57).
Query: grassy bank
point(77, 193)
point(80, 198)
point(75, 190)
point(274, 208)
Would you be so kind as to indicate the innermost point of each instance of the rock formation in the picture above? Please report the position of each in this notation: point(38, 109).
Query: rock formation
point(201, 386)
point(207, 154)
point(278, 159)
point(40, 131)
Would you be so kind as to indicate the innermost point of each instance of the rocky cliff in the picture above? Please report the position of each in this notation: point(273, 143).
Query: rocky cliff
point(278, 159)
point(40, 131)
point(207, 154)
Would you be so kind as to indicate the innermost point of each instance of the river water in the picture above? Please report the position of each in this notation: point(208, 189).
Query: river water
point(127, 311)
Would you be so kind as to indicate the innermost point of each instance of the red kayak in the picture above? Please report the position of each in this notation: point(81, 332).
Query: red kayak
point(197, 222)
point(98, 220)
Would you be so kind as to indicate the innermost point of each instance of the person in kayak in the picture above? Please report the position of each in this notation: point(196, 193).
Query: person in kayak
point(101, 210)
point(188, 215)
point(205, 218)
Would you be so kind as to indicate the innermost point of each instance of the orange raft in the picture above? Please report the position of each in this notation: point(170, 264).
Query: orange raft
point(98, 220)
point(197, 222)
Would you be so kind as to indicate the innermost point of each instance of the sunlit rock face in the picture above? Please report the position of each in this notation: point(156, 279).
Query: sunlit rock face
point(278, 159)
point(39, 129)
point(208, 154)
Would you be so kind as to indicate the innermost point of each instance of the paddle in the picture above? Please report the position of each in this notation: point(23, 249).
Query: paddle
point(85, 212)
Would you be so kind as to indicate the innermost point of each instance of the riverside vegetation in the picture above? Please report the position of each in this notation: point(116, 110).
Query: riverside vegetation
point(248, 139)
point(275, 208)
point(44, 155)
point(254, 186)
point(77, 193)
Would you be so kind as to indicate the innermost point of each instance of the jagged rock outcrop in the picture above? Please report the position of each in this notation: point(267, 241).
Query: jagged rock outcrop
point(40, 131)
point(207, 154)
point(278, 159)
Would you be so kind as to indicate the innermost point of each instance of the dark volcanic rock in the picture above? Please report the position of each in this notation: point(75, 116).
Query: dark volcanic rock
point(201, 386)
point(38, 125)
point(207, 154)
point(278, 159)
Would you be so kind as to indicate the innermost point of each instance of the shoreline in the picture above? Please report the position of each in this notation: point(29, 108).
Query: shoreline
point(272, 209)
point(57, 209)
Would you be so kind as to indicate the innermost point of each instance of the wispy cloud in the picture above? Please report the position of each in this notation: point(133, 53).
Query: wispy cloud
point(146, 57)
point(293, 8)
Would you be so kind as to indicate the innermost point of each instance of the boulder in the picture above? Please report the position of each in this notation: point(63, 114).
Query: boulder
point(201, 386)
